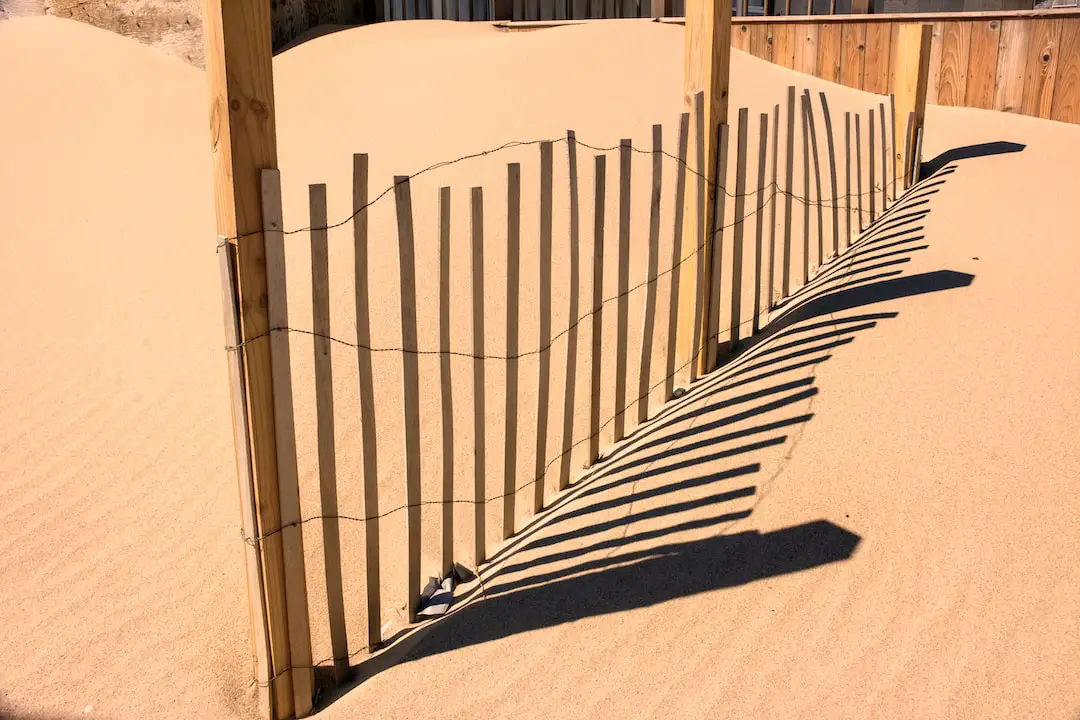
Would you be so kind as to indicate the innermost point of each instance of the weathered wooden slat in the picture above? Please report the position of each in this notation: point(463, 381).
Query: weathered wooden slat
point(676, 254)
point(852, 54)
point(871, 175)
point(737, 231)
point(878, 58)
point(935, 63)
point(835, 196)
point(1014, 53)
point(761, 42)
point(367, 399)
point(806, 48)
point(513, 310)
point(955, 54)
point(773, 198)
point(572, 332)
point(1066, 107)
point(622, 305)
point(649, 321)
point(982, 64)
point(847, 180)
point(598, 309)
point(324, 413)
point(784, 45)
point(885, 164)
point(716, 242)
point(858, 172)
point(910, 83)
point(543, 376)
point(818, 201)
point(789, 180)
point(700, 253)
point(476, 215)
point(446, 384)
point(829, 51)
point(740, 34)
point(759, 218)
point(410, 380)
point(804, 113)
point(1041, 72)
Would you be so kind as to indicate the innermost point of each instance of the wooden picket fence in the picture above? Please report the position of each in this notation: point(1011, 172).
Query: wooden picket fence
point(841, 189)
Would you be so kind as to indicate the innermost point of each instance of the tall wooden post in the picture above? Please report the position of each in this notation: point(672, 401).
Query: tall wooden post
point(911, 72)
point(708, 57)
point(243, 142)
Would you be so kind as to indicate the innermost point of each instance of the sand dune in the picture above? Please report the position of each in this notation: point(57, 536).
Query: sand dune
point(928, 419)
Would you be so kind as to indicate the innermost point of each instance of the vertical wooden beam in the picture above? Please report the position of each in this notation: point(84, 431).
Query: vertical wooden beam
point(789, 179)
point(886, 166)
point(324, 411)
point(701, 297)
point(872, 185)
point(676, 255)
point(446, 384)
point(708, 57)
point(649, 321)
point(513, 304)
point(243, 142)
point(572, 332)
point(544, 371)
point(858, 171)
point(835, 201)
point(260, 635)
point(410, 381)
point(598, 310)
point(367, 400)
point(622, 304)
point(711, 340)
point(479, 382)
point(847, 180)
point(805, 199)
point(737, 231)
point(772, 205)
point(911, 71)
point(809, 104)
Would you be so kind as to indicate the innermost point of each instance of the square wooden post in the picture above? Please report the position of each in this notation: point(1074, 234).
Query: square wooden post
point(911, 72)
point(708, 58)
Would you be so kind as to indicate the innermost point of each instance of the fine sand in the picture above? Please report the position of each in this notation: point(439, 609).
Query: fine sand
point(906, 444)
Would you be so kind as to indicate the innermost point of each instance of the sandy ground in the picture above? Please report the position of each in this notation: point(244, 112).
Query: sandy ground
point(866, 514)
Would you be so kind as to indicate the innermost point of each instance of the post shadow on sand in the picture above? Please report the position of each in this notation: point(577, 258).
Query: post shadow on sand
point(570, 581)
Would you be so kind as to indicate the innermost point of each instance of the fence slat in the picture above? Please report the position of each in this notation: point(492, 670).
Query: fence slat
point(1040, 78)
point(952, 75)
point(410, 380)
point(806, 188)
point(572, 332)
point(513, 293)
point(893, 180)
point(292, 539)
point(324, 411)
point(789, 179)
point(872, 185)
point(446, 383)
point(847, 180)
point(884, 160)
point(908, 137)
point(367, 399)
point(716, 242)
point(479, 424)
point(544, 373)
point(982, 64)
point(817, 177)
point(878, 58)
point(598, 310)
point(759, 213)
point(676, 254)
point(737, 231)
point(697, 336)
point(858, 171)
point(241, 443)
point(852, 52)
point(835, 202)
point(623, 304)
point(649, 321)
point(772, 205)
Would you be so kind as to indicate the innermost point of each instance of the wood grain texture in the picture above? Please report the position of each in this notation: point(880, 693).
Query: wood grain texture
point(1066, 107)
point(784, 45)
point(878, 58)
point(982, 64)
point(596, 364)
point(1013, 55)
point(935, 62)
point(410, 384)
point(676, 253)
point(543, 374)
point(446, 385)
point(761, 42)
point(476, 215)
point(649, 320)
point(572, 320)
point(911, 81)
point(513, 308)
point(852, 54)
point(1040, 75)
point(324, 430)
point(829, 51)
point(955, 53)
point(806, 48)
point(740, 37)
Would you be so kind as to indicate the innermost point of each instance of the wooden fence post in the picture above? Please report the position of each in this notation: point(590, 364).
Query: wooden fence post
point(513, 288)
point(911, 72)
point(544, 365)
point(649, 321)
point(676, 255)
point(789, 179)
point(598, 308)
point(572, 332)
point(737, 231)
point(240, 79)
point(622, 303)
point(479, 381)
point(707, 63)
point(446, 383)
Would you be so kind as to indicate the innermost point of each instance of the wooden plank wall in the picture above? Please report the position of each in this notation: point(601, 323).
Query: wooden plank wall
point(1020, 62)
